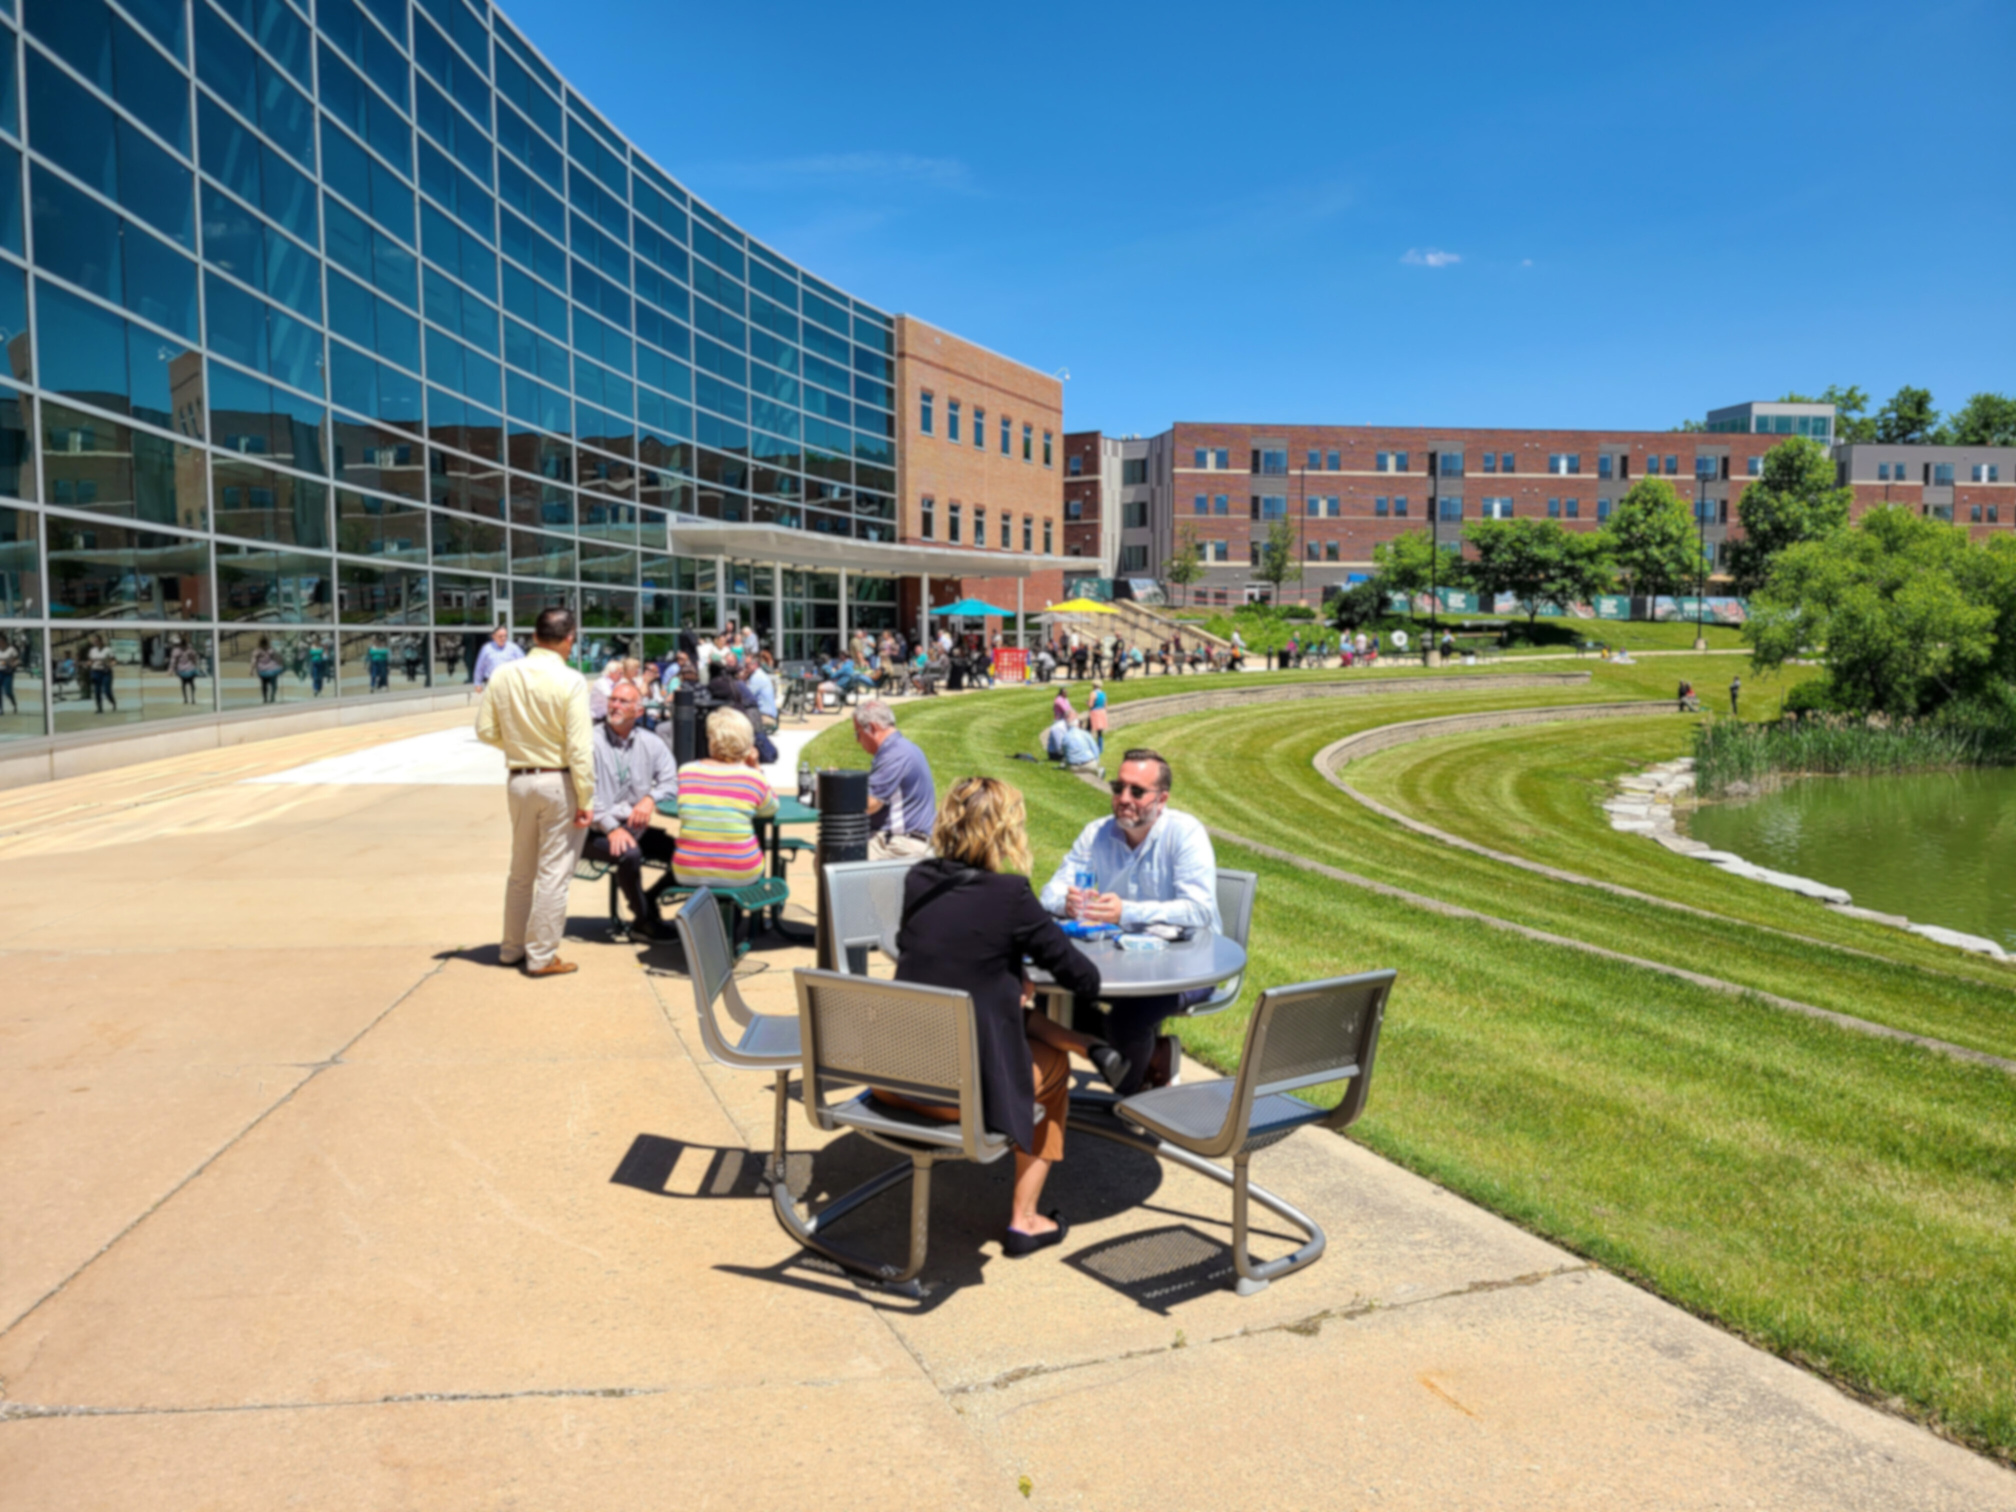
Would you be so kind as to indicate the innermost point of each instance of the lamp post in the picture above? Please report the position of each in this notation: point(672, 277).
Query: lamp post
point(1701, 558)
point(1431, 654)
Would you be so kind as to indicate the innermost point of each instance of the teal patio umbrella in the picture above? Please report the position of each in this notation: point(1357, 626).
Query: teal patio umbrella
point(974, 609)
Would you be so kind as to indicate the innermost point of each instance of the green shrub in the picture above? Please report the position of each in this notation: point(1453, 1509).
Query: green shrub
point(1814, 739)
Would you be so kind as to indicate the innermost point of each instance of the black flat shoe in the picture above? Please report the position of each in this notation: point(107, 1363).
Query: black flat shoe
point(1015, 1244)
point(1111, 1063)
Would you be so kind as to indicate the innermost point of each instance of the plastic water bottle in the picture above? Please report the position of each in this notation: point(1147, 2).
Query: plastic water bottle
point(1084, 880)
point(805, 783)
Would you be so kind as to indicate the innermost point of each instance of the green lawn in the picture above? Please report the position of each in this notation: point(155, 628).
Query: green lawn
point(1840, 1199)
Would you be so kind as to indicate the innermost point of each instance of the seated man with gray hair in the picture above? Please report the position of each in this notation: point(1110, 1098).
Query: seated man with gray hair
point(902, 803)
point(1077, 749)
point(634, 773)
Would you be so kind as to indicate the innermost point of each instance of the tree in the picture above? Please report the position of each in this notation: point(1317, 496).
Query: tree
point(1984, 420)
point(1406, 565)
point(1187, 565)
point(1358, 605)
point(1887, 605)
point(1852, 421)
point(1795, 499)
point(1653, 539)
point(1538, 562)
point(1908, 417)
point(1278, 563)
point(1689, 428)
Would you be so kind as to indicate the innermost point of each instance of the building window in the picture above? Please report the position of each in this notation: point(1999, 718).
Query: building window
point(1572, 508)
point(1046, 448)
point(1133, 559)
point(1994, 514)
point(927, 517)
point(979, 526)
point(1134, 515)
point(952, 524)
point(1201, 459)
point(1271, 462)
point(1074, 467)
point(979, 428)
point(1221, 458)
point(1007, 434)
point(1028, 443)
point(1974, 515)
point(1400, 506)
point(1940, 512)
point(1505, 462)
point(1254, 546)
point(1882, 471)
point(1450, 509)
point(1987, 472)
point(1490, 462)
point(1605, 466)
point(1391, 461)
point(1007, 531)
point(1602, 509)
point(951, 419)
point(1564, 464)
point(1497, 509)
point(1332, 462)
point(1221, 504)
point(1672, 467)
point(1315, 551)
point(1706, 467)
point(1942, 475)
point(1134, 473)
point(1553, 509)
point(1315, 462)
point(1379, 507)
point(1330, 551)
point(1028, 533)
point(1452, 464)
point(1756, 467)
point(1200, 505)
point(924, 403)
point(1046, 537)
point(1073, 510)
point(1270, 507)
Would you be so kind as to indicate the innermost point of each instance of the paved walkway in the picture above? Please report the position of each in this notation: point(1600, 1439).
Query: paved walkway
point(304, 1201)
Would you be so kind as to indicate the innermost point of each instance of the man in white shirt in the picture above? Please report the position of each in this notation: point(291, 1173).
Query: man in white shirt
point(1150, 865)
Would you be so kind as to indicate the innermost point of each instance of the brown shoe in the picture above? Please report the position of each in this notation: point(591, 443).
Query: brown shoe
point(554, 967)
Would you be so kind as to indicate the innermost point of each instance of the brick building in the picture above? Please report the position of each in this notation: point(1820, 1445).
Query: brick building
point(980, 467)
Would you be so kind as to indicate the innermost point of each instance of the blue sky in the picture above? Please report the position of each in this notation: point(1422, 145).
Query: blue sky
point(1455, 214)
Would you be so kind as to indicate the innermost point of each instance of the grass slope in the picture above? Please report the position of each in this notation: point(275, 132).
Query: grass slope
point(1841, 1200)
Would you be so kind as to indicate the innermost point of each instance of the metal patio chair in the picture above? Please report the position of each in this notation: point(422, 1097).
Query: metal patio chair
point(864, 903)
point(1236, 890)
point(756, 1041)
point(1303, 1036)
point(919, 1041)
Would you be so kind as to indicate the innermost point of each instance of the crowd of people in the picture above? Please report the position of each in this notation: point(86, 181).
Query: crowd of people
point(585, 775)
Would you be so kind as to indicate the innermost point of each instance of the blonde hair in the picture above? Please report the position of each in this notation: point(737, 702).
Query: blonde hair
point(729, 736)
point(983, 823)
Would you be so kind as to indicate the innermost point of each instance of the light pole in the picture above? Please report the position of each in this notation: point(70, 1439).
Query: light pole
point(1431, 656)
point(1701, 558)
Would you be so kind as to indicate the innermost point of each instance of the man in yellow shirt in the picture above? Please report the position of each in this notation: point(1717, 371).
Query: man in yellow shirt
point(536, 712)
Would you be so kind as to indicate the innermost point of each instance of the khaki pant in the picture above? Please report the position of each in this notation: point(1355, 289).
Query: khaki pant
point(1052, 1069)
point(887, 847)
point(544, 847)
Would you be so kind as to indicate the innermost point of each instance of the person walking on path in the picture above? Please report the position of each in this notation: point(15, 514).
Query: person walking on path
point(1097, 722)
point(1735, 693)
point(536, 712)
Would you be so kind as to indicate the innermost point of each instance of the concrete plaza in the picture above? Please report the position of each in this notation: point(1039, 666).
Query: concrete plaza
point(304, 1201)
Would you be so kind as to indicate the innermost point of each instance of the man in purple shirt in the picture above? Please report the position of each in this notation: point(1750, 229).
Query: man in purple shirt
point(902, 804)
point(501, 650)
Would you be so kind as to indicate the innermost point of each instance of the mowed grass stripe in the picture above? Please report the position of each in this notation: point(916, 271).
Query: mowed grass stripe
point(1841, 1200)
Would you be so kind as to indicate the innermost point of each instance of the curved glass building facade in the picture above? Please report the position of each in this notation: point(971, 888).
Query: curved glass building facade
point(338, 332)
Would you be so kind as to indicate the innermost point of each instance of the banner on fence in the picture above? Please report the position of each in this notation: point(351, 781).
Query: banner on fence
point(1011, 665)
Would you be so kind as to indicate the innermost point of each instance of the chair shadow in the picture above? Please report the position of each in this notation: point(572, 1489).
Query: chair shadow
point(1158, 1269)
point(969, 1205)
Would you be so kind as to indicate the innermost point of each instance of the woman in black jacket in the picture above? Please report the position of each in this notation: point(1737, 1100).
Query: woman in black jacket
point(970, 919)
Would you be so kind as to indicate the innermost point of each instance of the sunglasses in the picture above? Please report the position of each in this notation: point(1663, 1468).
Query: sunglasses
point(1133, 789)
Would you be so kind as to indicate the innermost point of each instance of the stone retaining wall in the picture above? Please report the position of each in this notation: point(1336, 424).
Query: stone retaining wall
point(1333, 758)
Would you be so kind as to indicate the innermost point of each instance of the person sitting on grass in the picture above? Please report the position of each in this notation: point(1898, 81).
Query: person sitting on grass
point(1076, 748)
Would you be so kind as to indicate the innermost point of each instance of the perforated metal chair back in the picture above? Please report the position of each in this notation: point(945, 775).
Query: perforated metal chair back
point(864, 901)
point(1236, 890)
point(1312, 1033)
point(711, 964)
point(912, 1039)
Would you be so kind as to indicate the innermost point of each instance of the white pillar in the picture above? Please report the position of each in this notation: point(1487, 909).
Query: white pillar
point(923, 608)
point(777, 610)
point(1021, 638)
point(720, 592)
point(842, 651)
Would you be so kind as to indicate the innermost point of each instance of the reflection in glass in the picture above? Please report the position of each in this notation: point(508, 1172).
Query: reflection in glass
point(371, 456)
point(371, 661)
point(381, 596)
point(90, 462)
point(529, 599)
point(462, 600)
point(258, 583)
point(257, 667)
point(370, 526)
point(128, 675)
point(22, 685)
point(455, 653)
point(605, 607)
point(20, 564)
point(468, 544)
point(266, 505)
point(17, 445)
point(103, 570)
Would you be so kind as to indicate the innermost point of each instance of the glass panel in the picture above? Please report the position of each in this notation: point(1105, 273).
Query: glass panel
point(130, 674)
point(381, 596)
point(284, 587)
point(109, 468)
point(258, 667)
point(466, 543)
point(463, 600)
point(529, 599)
point(263, 504)
point(102, 570)
point(367, 525)
point(23, 678)
point(20, 564)
point(370, 662)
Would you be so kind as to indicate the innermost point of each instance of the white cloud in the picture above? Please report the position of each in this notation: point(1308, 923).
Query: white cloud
point(1430, 257)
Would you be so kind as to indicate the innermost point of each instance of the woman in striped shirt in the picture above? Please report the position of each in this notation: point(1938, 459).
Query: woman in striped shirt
point(720, 800)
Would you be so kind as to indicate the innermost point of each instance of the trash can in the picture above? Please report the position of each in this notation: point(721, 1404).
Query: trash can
point(843, 836)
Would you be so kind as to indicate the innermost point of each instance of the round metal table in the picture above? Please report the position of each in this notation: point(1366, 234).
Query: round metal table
point(1204, 960)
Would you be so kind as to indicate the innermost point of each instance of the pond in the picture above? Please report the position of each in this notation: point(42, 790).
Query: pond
point(1937, 847)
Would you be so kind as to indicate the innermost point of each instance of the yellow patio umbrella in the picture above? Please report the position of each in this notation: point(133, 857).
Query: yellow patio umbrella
point(1081, 606)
